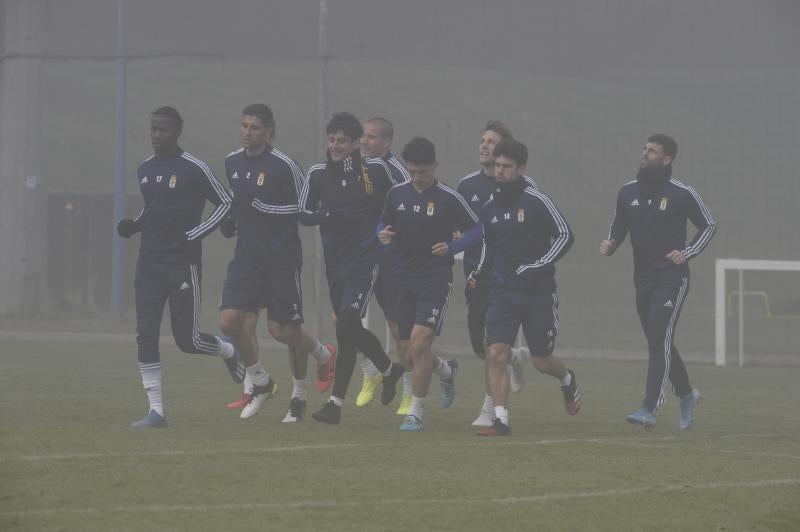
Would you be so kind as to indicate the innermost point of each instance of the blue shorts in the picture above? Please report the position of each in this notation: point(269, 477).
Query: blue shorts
point(423, 303)
point(536, 312)
point(250, 289)
point(350, 286)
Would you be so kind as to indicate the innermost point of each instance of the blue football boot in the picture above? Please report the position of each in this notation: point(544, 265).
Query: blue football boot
point(153, 420)
point(688, 405)
point(642, 417)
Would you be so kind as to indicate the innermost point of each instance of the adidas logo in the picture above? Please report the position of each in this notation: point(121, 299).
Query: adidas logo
point(494, 219)
point(432, 319)
point(401, 207)
point(297, 316)
point(235, 175)
point(475, 198)
point(635, 203)
point(185, 286)
point(355, 305)
point(145, 180)
point(668, 304)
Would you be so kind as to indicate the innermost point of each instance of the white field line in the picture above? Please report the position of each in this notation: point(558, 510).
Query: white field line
point(699, 449)
point(296, 448)
point(546, 497)
point(746, 435)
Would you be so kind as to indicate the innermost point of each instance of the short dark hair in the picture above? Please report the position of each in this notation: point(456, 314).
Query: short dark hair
point(172, 113)
point(419, 151)
point(262, 112)
point(387, 129)
point(666, 142)
point(499, 128)
point(347, 123)
point(513, 149)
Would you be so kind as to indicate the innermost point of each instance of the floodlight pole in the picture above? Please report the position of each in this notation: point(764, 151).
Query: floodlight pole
point(322, 113)
point(118, 258)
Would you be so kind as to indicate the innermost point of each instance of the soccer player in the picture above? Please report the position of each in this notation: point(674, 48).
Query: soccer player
point(419, 220)
point(344, 196)
point(175, 186)
point(376, 143)
point(265, 270)
point(654, 208)
point(477, 188)
point(525, 234)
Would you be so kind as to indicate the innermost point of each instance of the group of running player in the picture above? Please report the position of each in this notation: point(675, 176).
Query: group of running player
point(392, 228)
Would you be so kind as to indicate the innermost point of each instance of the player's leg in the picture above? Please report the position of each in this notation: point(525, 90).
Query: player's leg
point(502, 323)
point(419, 349)
point(665, 303)
point(385, 287)
point(644, 294)
point(358, 293)
point(689, 397)
point(428, 306)
point(250, 324)
point(540, 326)
point(184, 311)
point(477, 303)
point(150, 287)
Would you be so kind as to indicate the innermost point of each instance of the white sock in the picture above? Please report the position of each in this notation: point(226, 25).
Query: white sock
point(407, 384)
point(248, 383)
point(368, 368)
point(520, 355)
point(224, 349)
point(258, 375)
point(566, 380)
point(320, 353)
point(443, 369)
point(337, 401)
point(488, 403)
point(388, 370)
point(299, 389)
point(501, 413)
point(417, 406)
point(151, 381)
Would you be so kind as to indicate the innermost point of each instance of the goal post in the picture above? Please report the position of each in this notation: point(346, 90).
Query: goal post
point(740, 265)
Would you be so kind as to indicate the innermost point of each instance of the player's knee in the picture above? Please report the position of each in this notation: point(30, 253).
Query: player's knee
point(286, 333)
point(184, 341)
point(498, 354)
point(348, 324)
point(230, 323)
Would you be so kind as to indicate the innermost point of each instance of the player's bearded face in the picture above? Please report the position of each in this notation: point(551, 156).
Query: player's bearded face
point(340, 146)
point(653, 157)
point(506, 169)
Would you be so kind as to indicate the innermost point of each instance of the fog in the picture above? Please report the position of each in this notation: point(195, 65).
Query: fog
point(582, 83)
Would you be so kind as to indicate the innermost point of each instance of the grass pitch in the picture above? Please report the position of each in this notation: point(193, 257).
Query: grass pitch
point(70, 461)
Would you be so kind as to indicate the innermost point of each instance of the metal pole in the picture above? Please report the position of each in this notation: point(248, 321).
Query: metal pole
point(322, 113)
point(118, 259)
point(719, 312)
point(741, 317)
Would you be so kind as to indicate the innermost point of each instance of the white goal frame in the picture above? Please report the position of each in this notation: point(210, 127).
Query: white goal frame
point(721, 267)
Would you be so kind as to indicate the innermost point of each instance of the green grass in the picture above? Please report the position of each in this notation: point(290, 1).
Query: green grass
point(70, 461)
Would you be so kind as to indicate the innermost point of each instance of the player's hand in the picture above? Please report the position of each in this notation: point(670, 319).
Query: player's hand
point(440, 248)
point(677, 257)
point(127, 228)
point(457, 235)
point(607, 247)
point(386, 235)
point(472, 283)
point(228, 227)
